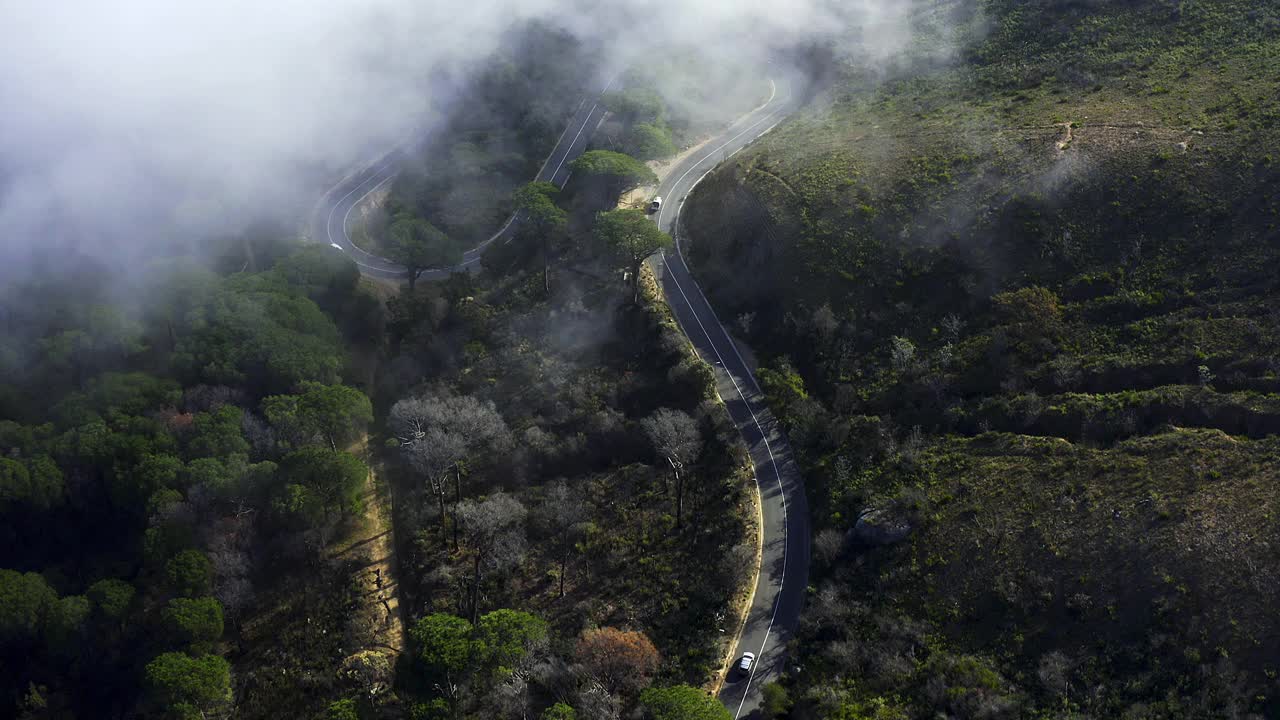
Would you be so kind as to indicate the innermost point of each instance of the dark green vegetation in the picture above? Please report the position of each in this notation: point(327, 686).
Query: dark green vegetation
point(562, 467)
point(677, 96)
point(419, 246)
point(164, 467)
point(187, 494)
point(637, 123)
point(509, 114)
point(177, 485)
point(1019, 313)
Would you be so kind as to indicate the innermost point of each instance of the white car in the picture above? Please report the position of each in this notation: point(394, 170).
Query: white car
point(656, 205)
point(744, 665)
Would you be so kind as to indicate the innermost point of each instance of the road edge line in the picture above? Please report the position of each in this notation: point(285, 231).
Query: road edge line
point(653, 285)
point(750, 598)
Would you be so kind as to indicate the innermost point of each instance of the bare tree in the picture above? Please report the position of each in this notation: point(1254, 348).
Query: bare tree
point(510, 699)
point(595, 702)
point(825, 323)
point(229, 542)
point(437, 455)
point(476, 421)
point(441, 434)
point(676, 438)
point(953, 326)
point(1055, 672)
point(493, 530)
point(561, 517)
point(552, 673)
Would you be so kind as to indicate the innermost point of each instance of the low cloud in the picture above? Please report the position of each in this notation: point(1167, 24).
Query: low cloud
point(129, 125)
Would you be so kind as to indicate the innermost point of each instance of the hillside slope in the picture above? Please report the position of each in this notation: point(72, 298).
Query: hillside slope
point(1022, 303)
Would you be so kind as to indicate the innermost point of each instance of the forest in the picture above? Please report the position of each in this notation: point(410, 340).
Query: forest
point(1009, 291)
point(161, 461)
point(247, 482)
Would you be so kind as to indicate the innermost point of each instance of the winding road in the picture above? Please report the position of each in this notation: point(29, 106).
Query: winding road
point(784, 564)
point(331, 220)
point(779, 593)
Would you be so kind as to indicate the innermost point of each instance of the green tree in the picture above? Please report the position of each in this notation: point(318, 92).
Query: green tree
point(559, 711)
point(217, 475)
point(165, 538)
point(218, 433)
point(47, 486)
point(132, 393)
point(1035, 306)
point(26, 601)
point(259, 334)
point(65, 627)
point(419, 246)
point(102, 334)
point(614, 173)
point(776, 701)
point(282, 412)
point(110, 598)
point(631, 237)
point(446, 647)
point(538, 199)
point(174, 290)
point(334, 411)
point(15, 482)
point(344, 709)
point(36, 483)
point(635, 105)
point(326, 276)
point(506, 637)
point(681, 702)
point(542, 220)
point(189, 686)
point(444, 641)
point(131, 490)
point(194, 621)
point(1032, 318)
point(322, 482)
point(190, 573)
point(650, 141)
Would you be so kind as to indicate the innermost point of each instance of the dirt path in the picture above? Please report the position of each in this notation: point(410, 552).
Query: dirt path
point(377, 623)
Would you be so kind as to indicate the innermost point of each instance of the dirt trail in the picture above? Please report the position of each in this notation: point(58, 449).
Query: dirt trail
point(377, 623)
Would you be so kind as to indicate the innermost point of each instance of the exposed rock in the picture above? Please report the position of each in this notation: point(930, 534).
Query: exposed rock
point(880, 527)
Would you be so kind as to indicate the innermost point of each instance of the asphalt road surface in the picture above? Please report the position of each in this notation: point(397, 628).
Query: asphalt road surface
point(333, 216)
point(784, 566)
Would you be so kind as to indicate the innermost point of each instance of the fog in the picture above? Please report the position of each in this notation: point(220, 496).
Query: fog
point(127, 126)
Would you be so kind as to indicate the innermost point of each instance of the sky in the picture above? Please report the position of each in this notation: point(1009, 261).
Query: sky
point(123, 119)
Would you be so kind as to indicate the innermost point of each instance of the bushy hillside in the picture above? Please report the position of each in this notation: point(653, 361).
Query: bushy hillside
point(1023, 302)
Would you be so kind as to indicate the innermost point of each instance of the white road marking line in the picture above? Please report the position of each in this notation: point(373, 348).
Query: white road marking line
point(328, 225)
point(777, 601)
point(777, 598)
point(559, 140)
point(346, 217)
point(726, 144)
point(584, 127)
point(475, 251)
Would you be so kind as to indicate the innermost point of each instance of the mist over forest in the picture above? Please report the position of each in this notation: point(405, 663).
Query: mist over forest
point(137, 127)
point(570, 360)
